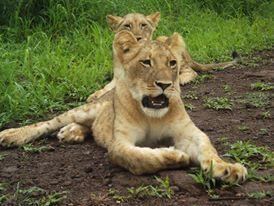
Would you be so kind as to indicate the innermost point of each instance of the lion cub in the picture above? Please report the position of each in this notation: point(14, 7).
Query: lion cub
point(144, 107)
point(143, 27)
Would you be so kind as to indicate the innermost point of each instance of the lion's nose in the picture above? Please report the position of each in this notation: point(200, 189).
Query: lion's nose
point(163, 85)
point(138, 38)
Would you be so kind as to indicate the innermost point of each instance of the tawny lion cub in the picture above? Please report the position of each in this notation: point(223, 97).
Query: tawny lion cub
point(144, 107)
point(143, 28)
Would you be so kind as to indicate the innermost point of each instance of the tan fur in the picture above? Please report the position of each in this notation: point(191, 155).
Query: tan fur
point(143, 27)
point(120, 121)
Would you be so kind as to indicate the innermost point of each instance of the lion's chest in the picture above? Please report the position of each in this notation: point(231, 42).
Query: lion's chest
point(155, 134)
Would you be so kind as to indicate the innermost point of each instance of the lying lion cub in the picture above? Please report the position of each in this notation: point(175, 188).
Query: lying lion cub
point(144, 107)
point(143, 27)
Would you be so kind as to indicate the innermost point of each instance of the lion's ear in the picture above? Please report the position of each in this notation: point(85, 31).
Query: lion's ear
point(154, 18)
point(114, 21)
point(176, 43)
point(124, 44)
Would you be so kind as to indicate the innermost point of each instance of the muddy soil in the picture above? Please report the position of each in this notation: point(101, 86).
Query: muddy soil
point(83, 170)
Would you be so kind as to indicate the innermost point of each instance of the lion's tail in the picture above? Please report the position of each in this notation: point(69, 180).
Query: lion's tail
point(206, 67)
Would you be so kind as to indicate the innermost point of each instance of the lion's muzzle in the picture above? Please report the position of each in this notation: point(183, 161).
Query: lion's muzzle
point(158, 102)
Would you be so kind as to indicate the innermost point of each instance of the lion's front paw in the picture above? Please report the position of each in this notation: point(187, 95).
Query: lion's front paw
point(12, 137)
point(175, 158)
point(227, 172)
point(72, 133)
point(238, 173)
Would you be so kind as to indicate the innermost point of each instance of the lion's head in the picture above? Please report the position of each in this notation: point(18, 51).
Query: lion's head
point(150, 70)
point(140, 25)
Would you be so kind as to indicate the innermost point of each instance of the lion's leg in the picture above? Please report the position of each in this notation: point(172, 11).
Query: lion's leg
point(101, 92)
point(142, 160)
point(17, 136)
point(196, 144)
point(73, 132)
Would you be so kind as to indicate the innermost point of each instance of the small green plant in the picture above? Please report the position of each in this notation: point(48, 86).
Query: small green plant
point(202, 78)
point(266, 115)
point(250, 155)
point(223, 140)
point(262, 86)
point(191, 95)
point(27, 196)
point(218, 103)
point(3, 197)
point(227, 88)
point(32, 149)
point(256, 99)
point(2, 187)
point(252, 62)
point(243, 128)
point(116, 196)
point(189, 106)
point(263, 131)
point(253, 175)
point(2, 156)
point(30, 191)
point(164, 189)
point(206, 180)
point(161, 190)
point(53, 199)
point(34, 196)
point(260, 194)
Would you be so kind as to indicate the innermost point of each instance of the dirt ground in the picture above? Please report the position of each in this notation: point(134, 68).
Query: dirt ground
point(83, 170)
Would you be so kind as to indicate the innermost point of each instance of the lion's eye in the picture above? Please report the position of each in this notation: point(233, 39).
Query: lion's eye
point(128, 26)
point(143, 26)
point(173, 63)
point(146, 62)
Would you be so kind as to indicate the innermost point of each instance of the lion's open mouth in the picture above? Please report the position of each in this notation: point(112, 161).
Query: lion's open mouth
point(158, 102)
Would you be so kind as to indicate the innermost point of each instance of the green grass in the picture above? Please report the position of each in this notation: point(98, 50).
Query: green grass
point(207, 181)
point(266, 115)
point(256, 99)
point(263, 131)
point(260, 194)
point(254, 158)
point(243, 128)
point(3, 197)
point(202, 78)
point(262, 86)
point(161, 190)
point(204, 179)
point(191, 95)
point(189, 106)
point(31, 196)
point(251, 155)
point(218, 103)
point(227, 88)
point(2, 156)
point(35, 149)
point(55, 53)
